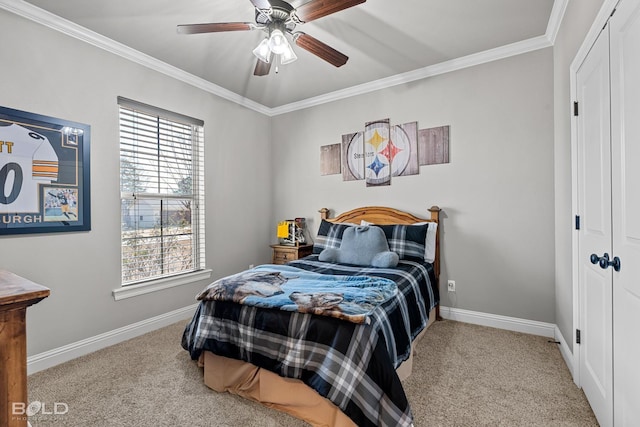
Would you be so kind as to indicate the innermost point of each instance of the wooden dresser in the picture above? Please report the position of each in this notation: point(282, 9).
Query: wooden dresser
point(282, 254)
point(16, 294)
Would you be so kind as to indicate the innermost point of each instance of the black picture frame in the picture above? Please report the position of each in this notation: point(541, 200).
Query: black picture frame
point(44, 174)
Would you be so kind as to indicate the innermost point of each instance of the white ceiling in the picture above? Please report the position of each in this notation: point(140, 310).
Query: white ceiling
point(386, 41)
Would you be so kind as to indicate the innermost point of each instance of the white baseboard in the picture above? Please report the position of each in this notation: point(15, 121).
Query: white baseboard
point(71, 351)
point(566, 352)
point(501, 322)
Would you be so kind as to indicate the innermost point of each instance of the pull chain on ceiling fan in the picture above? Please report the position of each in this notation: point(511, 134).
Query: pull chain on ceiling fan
point(278, 18)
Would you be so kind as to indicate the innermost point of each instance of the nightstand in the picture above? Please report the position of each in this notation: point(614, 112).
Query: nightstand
point(282, 254)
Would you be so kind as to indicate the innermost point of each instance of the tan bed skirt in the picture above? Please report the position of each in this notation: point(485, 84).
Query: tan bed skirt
point(285, 394)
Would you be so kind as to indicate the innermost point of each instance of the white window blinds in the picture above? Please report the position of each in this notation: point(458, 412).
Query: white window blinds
point(162, 192)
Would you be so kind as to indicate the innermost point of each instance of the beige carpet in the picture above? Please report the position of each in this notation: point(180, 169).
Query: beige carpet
point(464, 375)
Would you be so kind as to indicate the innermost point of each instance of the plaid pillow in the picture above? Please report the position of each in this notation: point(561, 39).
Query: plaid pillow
point(329, 236)
point(408, 241)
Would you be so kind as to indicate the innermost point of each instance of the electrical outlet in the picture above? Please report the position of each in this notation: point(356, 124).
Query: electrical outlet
point(250, 266)
point(451, 285)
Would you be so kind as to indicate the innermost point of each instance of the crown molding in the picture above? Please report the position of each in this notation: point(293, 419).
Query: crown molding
point(518, 48)
point(33, 13)
point(421, 73)
point(55, 22)
point(555, 20)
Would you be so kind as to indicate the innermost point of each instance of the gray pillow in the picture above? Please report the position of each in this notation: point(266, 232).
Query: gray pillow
point(362, 245)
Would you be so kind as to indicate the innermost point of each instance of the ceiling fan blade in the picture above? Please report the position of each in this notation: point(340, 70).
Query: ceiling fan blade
point(262, 68)
point(215, 27)
point(318, 8)
point(320, 49)
point(261, 4)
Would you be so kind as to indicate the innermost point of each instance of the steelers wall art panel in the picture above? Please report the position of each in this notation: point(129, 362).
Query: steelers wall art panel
point(384, 150)
point(44, 174)
point(376, 153)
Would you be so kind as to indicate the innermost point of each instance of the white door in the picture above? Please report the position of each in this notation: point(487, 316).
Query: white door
point(594, 208)
point(625, 152)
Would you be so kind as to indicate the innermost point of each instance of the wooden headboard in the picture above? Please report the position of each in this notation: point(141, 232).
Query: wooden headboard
point(383, 215)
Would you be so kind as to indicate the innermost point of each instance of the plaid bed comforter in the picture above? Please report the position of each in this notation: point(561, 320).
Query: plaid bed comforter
point(353, 365)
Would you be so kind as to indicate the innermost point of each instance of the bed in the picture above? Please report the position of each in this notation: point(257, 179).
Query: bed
point(320, 368)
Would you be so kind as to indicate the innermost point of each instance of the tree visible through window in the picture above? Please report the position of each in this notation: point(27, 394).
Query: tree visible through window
point(162, 192)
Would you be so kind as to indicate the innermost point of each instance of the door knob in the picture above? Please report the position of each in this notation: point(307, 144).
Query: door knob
point(605, 262)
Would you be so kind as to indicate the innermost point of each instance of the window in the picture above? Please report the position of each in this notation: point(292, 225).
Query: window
point(162, 192)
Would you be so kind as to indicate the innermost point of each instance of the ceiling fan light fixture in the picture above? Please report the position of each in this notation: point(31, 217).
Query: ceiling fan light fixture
point(278, 42)
point(288, 55)
point(277, 18)
point(262, 52)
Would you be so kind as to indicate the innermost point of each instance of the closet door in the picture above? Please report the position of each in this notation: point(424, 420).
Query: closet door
point(594, 207)
point(625, 152)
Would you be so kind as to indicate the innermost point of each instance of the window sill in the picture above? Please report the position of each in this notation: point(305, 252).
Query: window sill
point(131, 291)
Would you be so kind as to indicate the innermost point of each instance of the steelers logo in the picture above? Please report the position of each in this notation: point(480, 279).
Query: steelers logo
point(399, 150)
point(355, 155)
point(380, 152)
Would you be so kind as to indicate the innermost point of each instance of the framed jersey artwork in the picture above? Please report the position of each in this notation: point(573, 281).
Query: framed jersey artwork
point(44, 174)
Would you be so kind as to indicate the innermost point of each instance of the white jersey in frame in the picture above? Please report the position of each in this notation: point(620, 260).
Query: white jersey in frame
point(27, 159)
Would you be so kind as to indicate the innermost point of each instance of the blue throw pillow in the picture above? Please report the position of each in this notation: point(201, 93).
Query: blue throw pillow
point(362, 245)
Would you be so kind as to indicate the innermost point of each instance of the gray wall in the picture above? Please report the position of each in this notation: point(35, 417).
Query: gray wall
point(576, 23)
point(497, 192)
point(46, 72)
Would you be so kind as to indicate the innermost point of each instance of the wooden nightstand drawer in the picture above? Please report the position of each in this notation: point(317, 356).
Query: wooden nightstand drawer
point(283, 254)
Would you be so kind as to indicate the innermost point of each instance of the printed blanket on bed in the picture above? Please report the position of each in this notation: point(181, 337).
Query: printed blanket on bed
point(350, 298)
point(352, 365)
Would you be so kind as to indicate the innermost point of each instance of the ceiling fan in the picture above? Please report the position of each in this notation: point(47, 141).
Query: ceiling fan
point(277, 18)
